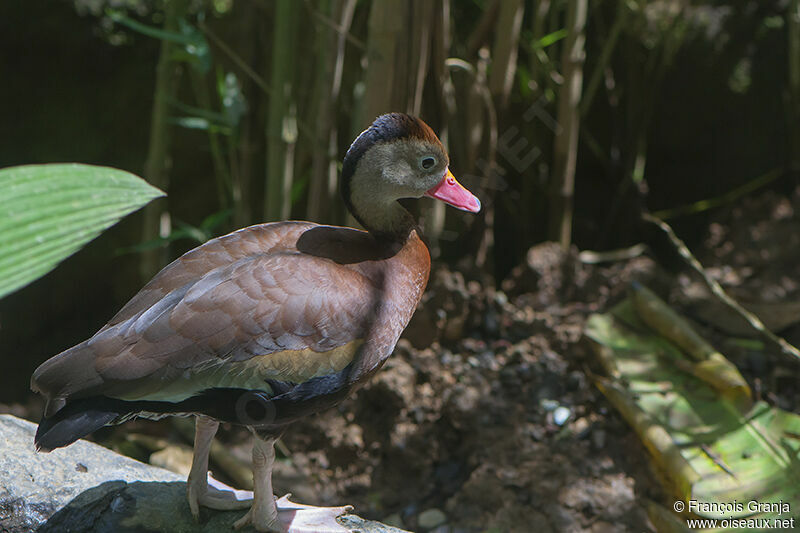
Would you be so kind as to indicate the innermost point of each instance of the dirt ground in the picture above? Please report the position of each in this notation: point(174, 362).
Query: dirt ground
point(492, 420)
point(485, 418)
point(487, 413)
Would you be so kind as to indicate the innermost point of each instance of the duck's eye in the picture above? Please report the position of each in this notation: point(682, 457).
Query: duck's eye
point(427, 163)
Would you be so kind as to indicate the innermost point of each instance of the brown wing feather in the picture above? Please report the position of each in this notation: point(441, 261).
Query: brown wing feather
point(216, 253)
point(259, 304)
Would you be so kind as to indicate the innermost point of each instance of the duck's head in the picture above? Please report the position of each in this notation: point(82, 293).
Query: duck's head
point(398, 156)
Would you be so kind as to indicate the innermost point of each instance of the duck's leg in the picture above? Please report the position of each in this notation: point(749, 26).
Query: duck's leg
point(282, 516)
point(198, 490)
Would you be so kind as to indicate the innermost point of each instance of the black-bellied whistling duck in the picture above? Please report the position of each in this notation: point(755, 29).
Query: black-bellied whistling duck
point(265, 325)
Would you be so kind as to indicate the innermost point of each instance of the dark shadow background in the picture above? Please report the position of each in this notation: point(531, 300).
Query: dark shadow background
point(68, 95)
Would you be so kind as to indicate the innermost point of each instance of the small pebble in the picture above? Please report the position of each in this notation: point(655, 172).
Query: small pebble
point(581, 428)
point(500, 298)
point(560, 415)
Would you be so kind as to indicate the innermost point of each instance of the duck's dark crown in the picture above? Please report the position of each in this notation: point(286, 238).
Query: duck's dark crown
point(386, 128)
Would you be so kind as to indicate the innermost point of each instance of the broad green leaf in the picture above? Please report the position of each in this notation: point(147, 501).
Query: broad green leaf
point(707, 444)
point(48, 212)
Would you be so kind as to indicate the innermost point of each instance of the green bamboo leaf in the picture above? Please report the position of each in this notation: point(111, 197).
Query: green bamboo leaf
point(708, 451)
point(194, 47)
point(550, 38)
point(48, 212)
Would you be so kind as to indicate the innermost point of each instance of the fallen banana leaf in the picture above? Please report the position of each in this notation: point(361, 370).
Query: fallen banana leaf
point(708, 451)
point(664, 520)
point(710, 366)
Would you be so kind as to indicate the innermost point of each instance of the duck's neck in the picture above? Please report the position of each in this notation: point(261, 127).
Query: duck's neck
point(382, 217)
point(389, 220)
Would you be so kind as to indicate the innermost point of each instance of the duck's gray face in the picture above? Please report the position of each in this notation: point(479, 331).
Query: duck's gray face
point(412, 168)
point(398, 156)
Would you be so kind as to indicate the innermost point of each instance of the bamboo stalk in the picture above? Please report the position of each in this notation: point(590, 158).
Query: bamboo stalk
point(482, 93)
point(707, 363)
point(439, 53)
point(640, 112)
point(418, 54)
point(479, 36)
point(385, 28)
point(717, 290)
point(279, 138)
point(157, 165)
point(221, 173)
point(324, 176)
point(505, 50)
point(242, 149)
point(345, 22)
point(497, 88)
point(535, 65)
point(665, 453)
point(383, 80)
point(566, 142)
point(609, 45)
point(723, 199)
point(325, 49)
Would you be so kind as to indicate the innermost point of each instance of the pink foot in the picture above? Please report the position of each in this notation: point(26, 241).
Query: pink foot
point(302, 518)
point(296, 518)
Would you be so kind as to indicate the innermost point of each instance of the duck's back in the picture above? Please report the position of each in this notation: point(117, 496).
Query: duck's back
point(294, 312)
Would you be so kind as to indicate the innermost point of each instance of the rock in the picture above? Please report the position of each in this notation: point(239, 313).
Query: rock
point(394, 519)
point(173, 458)
point(431, 518)
point(85, 487)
